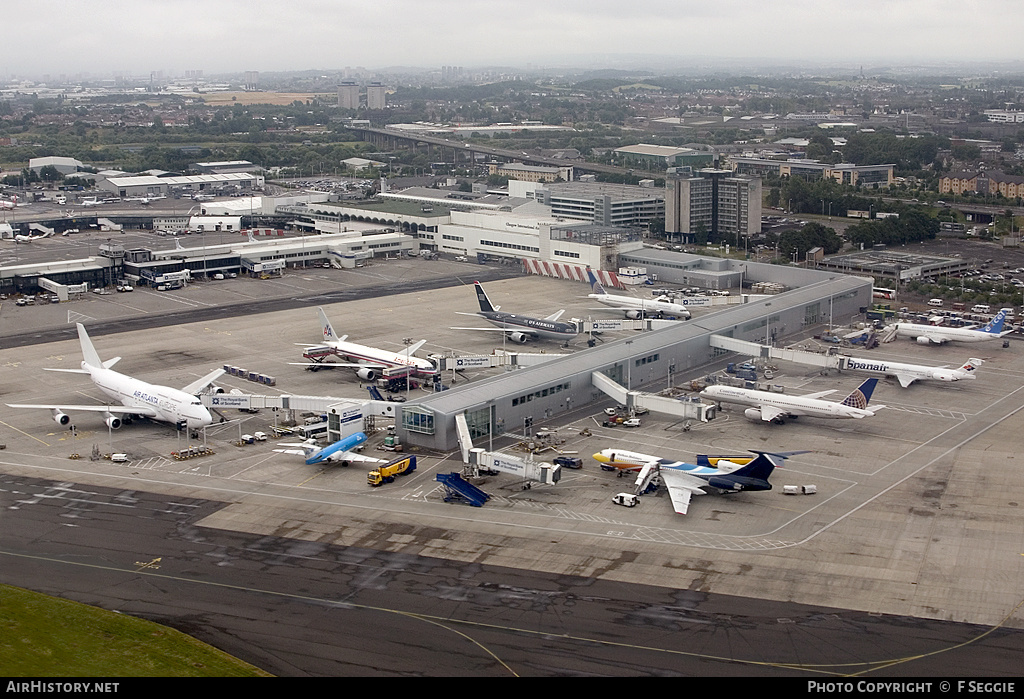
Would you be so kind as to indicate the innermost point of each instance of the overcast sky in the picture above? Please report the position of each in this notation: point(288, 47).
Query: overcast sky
point(138, 36)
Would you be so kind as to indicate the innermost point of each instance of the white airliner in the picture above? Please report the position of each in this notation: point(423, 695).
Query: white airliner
point(907, 374)
point(940, 334)
point(22, 238)
point(132, 397)
point(633, 307)
point(775, 407)
point(367, 361)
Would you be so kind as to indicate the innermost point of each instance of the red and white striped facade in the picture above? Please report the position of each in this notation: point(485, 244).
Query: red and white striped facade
point(561, 270)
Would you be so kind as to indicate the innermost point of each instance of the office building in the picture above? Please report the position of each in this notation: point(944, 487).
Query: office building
point(712, 205)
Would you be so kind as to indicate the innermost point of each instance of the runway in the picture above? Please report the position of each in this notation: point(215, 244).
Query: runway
point(300, 608)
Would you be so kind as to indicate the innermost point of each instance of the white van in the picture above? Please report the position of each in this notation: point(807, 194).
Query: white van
point(981, 308)
point(935, 302)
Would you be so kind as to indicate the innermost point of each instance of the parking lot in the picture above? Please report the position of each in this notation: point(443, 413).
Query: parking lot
point(916, 510)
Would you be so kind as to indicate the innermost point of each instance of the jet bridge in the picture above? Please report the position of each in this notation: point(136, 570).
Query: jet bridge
point(663, 405)
point(477, 459)
point(753, 349)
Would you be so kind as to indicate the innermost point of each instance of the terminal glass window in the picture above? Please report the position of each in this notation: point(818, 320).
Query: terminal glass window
point(479, 422)
point(418, 420)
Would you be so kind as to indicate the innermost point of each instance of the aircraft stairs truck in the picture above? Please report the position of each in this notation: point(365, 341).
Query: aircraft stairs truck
point(458, 488)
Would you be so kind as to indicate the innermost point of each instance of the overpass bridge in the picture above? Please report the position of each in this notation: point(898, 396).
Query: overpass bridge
point(392, 139)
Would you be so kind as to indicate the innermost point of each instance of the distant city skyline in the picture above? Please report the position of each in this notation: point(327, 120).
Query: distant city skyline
point(229, 36)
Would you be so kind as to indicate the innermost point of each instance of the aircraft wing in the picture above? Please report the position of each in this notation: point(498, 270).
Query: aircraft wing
point(768, 413)
point(112, 409)
point(202, 383)
point(681, 487)
point(819, 394)
point(905, 379)
point(408, 352)
point(555, 316)
point(328, 365)
point(355, 456)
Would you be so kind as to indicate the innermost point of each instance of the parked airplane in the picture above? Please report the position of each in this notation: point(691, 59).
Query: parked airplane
point(367, 361)
point(775, 407)
point(907, 374)
point(685, 480)
point(23, 238)
point(521, 328)
point(135, 397)
point(145, 200)
point(340, 451)
point(939, 334)
point(623, 461)
point(634, 307)
point(91, 201)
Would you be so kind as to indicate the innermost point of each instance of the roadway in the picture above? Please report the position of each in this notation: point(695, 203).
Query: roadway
point(513, 155)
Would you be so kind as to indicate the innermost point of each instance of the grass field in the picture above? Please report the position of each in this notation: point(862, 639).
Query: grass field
point(219, 99)
point(42, 636)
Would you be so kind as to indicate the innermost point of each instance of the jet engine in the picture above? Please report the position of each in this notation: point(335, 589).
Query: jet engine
point(366, 374)
point(519, 338)
point(923, 340)
point(60, 418)
point(634, 315)
point(113, 421)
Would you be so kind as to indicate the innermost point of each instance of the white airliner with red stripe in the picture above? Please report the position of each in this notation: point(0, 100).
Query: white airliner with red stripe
point(368, 362)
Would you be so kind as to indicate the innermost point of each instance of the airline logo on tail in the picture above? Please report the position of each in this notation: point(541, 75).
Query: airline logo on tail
point(594, 284)
point(328, 332)
point(485, 303)
point(995, 326)
point(861, 395)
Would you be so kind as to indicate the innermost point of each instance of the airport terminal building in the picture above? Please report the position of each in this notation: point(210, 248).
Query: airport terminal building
point(519, 401)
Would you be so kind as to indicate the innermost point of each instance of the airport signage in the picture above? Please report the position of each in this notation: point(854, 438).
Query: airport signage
point(611, 325)
point(472, 362)
point(222, 400)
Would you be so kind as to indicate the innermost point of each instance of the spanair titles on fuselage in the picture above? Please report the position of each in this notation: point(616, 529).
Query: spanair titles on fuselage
point(907, 374)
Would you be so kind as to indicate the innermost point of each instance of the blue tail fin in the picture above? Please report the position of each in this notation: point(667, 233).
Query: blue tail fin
point(861, 395)
point(485, 303)
point(760, 468)
point(995, 326)
point(595, 285)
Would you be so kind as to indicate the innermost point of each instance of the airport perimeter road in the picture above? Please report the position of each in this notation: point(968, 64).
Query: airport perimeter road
point(301, 608)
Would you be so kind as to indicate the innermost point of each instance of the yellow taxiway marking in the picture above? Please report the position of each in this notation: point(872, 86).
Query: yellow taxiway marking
point(152, 564)
point(23, 432)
